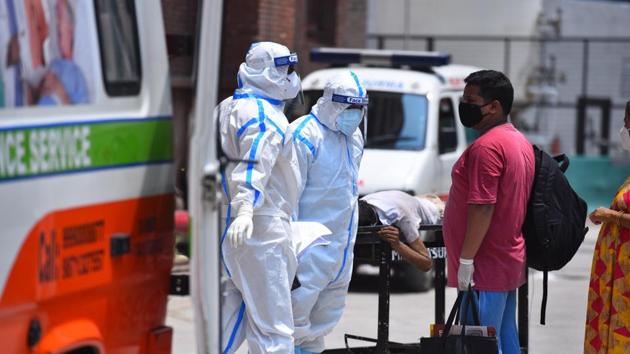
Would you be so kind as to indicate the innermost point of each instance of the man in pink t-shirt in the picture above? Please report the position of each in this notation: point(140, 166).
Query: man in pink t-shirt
point(486, 207)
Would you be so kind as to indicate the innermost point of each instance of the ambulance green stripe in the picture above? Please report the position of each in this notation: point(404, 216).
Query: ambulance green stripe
point(30, 152)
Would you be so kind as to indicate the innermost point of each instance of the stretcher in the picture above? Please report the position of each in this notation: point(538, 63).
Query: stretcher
point(369, 246)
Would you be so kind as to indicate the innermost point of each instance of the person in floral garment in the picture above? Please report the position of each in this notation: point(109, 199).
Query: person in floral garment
point(608, 312)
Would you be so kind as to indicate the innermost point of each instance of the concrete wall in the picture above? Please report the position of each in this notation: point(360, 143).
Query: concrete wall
point(453, 17)
point(578, 18)
point(605, 62)
point(479, 17)
point(591, 18)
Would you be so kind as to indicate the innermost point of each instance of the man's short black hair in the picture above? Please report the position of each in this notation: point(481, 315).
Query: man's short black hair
point(628, 107)
point(493, 85)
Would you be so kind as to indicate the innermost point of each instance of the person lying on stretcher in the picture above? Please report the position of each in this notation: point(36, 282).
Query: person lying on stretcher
point(402, 214)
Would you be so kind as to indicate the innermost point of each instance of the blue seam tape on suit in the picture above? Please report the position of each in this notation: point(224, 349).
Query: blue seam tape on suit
point(277, 128)
point(238, 96)
point(354, 192)
point(345, 251)
point(297, 134)
point(356, 80)
point(245, 126)
point(308, 144)
point(252, 152)
point(241, 313)
point(227, 221)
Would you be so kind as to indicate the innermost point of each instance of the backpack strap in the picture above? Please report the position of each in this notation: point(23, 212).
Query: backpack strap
point(543, 306)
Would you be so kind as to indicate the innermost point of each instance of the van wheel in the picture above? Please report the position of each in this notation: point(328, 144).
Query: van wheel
point(414, 279)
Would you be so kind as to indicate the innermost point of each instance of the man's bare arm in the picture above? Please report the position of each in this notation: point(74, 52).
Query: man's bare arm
point(415, 253)
point(479, 218)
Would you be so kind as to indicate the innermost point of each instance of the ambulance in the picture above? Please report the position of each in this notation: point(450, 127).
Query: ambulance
point(86, 177)
point(414, 135)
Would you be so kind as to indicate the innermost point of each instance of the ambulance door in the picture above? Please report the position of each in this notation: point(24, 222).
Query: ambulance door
point(447, 141)
point(204, 183)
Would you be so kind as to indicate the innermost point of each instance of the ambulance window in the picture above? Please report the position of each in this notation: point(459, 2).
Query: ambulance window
point(447, 135)
point(120, 54)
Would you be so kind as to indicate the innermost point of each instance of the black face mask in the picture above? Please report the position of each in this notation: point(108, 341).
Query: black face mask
point(470, 114)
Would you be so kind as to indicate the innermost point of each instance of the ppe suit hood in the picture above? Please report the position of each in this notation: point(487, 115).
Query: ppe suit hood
point(325, 109)
point(259, 74)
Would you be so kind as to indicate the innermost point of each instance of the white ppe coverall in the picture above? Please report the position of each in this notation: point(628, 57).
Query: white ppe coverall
point(263, 186)
point(329, 165)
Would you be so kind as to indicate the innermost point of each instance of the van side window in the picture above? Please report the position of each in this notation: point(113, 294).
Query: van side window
point(447, 134)
point(120, 53)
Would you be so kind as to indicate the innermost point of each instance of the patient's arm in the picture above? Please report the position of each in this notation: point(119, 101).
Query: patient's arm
point(415, 253)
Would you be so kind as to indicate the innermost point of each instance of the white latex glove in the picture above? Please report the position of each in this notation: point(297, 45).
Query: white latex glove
point(241, 228)
point(465, 274)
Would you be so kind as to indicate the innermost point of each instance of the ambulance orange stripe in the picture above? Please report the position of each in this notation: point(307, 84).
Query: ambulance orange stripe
point(66, 271)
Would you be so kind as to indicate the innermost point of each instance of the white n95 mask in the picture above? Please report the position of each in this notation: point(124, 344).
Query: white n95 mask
point(348, 121)
point(625, 138)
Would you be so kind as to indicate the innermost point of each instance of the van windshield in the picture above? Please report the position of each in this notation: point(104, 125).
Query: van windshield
point(396, 121)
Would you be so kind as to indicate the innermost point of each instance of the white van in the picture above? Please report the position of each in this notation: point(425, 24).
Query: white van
point(413, 131)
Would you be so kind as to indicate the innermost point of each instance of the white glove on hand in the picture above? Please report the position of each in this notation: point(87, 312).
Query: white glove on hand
point(241, 228)
point(465, 274)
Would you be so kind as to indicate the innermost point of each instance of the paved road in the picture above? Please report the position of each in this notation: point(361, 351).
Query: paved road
point(411, 313)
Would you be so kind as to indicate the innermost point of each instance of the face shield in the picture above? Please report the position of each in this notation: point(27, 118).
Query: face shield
point(353, 115)
point(294, 92)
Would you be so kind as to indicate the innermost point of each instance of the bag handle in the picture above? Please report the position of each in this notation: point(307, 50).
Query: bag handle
point(471, 299)
point(452, 315)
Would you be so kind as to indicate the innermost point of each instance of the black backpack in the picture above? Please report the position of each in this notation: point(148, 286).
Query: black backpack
point(556, 215)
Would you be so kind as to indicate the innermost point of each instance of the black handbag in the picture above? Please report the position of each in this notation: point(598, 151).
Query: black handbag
point(460, 343)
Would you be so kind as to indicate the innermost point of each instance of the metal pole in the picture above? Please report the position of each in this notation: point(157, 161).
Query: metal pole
point(506, 56)
point(380, 40)
point(440, 284)
point(581, 126)
point(406, 39)
point(585, 48)
point(382, 344)
point(523, 315)
point(605, 128)
point(430, 44)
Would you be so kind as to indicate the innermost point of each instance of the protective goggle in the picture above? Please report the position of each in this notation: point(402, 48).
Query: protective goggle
point(289, 60)
point(358, 101)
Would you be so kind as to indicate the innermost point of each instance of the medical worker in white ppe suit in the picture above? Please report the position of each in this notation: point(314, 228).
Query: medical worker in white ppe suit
point(329, 146)
point(258, 258)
